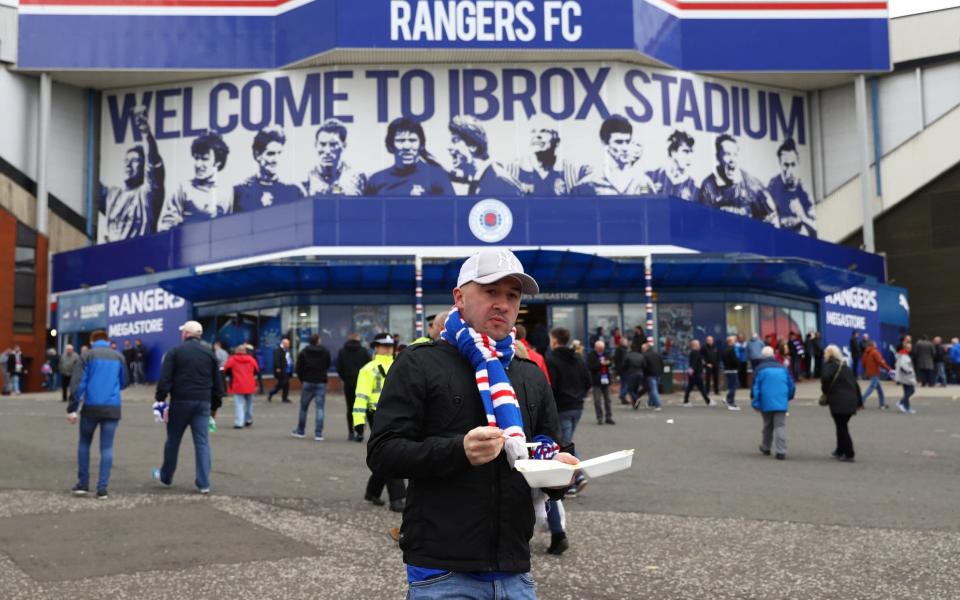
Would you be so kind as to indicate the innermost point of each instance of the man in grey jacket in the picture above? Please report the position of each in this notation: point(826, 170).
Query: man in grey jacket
point(924, 355)
point(68, 363)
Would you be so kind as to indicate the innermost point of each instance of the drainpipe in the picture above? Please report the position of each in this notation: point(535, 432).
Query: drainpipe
point(43, 139)
point(860, 88)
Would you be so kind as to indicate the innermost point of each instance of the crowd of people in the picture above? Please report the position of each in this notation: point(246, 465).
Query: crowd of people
point(459, 406)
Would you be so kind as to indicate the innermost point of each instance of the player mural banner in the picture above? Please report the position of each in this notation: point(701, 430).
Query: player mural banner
point(185, 153)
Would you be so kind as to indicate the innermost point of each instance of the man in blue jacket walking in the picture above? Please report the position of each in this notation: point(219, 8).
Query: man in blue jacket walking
point(98, 391)
point(773, 389)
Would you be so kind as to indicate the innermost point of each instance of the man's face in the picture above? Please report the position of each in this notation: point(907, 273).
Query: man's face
point(204, 165)
point(132, 166)
point(727, 157)
point(268, 159)
point(491, 309)
point(709, 339)
point(619, 148)
point(406, 147)
point(383, 349)
point(285, 344)
point(789, 169)
point(542, 140)
point(682, 157)
point(68, 349)
point(126, 344)
point(460, 152)
point(329, 149)
point(599, 347)
point(695, 345)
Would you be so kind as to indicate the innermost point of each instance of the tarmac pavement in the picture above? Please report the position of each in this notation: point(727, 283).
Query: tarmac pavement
point(701, 514)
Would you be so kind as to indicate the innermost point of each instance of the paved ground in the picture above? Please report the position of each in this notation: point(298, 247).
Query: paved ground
point(700, 515)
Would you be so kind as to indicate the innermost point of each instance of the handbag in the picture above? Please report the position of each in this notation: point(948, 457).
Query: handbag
point(823, 397)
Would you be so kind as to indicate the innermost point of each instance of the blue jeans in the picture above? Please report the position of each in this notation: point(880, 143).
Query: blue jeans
point(242, 409)
point(14, 383)
point(874, 385)
point(310, 392)
point(196, 414)
point(88, 426)
point(653, 385)
point(733, 382)
point(568, 424)
point(908, 391)
point(941, 376)
point(553, 517)
point(458, 585)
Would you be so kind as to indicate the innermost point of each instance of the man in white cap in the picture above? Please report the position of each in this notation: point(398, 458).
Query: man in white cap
point(453, 416)
point(191, 376)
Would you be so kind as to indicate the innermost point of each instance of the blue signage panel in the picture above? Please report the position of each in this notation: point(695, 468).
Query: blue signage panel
point(245, 34)
point(149, 314)
point(81, 312)
point(408, 224)
point(880, 311)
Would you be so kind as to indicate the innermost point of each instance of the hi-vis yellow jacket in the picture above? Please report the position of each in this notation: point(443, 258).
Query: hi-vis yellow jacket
point(369, 385)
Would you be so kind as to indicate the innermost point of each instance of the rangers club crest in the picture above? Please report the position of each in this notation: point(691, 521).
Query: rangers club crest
point(490, 220)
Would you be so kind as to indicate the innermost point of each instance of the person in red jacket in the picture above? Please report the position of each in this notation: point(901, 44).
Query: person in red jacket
point(241, 371)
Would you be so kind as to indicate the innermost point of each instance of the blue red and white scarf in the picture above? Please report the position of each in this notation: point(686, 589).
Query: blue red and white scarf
point(490, 358)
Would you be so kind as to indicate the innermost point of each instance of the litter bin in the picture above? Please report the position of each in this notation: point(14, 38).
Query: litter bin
point(666, 380)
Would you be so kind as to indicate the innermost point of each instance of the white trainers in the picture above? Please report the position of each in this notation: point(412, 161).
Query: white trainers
point(902, 408)
point(712, 402)
point(733, 407)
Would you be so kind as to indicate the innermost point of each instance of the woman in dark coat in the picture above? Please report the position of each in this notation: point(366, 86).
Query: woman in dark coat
point(843, 398)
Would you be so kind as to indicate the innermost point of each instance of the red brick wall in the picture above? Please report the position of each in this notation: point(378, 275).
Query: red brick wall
point(32, 344)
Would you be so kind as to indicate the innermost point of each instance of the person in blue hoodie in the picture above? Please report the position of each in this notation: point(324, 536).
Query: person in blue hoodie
point(953, 361)
point(104, 374)
point(773, 389)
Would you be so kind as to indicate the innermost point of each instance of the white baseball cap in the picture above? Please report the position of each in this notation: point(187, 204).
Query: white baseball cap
point(192, 327)
point(492, 265)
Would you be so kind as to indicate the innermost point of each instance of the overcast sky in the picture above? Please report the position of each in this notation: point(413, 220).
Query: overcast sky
point(899, 8)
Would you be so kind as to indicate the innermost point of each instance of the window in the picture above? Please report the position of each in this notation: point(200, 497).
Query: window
point(25, 280)
point(742, 319)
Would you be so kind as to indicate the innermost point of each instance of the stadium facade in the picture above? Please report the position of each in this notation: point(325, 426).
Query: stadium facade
point(284, 168)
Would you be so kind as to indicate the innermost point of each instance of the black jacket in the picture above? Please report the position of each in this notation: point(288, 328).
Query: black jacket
point(190, 372)
point(695, 362)
point(458, 517)
point(711, 355)
point(730, 360)
point(843, 397)
point(633, 363)
point(856, 349)
point(313, 362)
point(619, 355)
point(280, 363)
point(652, 363)
point(569, 378)
point(593, 365)
point(351, 359)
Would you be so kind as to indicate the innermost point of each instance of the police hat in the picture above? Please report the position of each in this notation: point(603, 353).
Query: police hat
point(382, 339)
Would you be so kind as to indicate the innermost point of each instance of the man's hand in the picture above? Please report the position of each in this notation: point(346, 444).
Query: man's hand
point(567, 458)
point(72, 418)
point(483, 444)
point(140, 120)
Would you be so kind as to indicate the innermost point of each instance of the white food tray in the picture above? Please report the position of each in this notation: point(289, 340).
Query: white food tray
point(553, 473)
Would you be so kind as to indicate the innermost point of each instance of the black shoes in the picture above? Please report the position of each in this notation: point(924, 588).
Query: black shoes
point(609, 421)
point(764, 452)
point(558, 544)
point(79, 490)
point(397, 505)
point(373, 500)
point(102, 495)
point(781, 456)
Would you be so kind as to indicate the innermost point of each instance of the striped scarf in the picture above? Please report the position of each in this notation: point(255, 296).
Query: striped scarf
point(490, 358)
